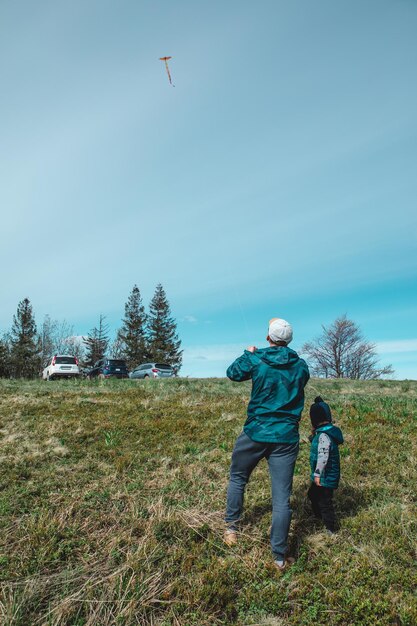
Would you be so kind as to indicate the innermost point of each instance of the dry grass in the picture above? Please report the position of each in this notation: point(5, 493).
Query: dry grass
point(111, 502)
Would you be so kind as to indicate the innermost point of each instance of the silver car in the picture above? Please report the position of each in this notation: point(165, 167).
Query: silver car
point(152, 370)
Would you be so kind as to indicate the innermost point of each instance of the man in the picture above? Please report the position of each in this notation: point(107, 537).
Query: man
point(270, 431)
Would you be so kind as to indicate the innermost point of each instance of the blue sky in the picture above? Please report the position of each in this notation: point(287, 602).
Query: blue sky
point(278, 177)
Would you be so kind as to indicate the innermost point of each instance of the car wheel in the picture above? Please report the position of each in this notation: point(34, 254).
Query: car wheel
point(101, 376)
point(146, 376)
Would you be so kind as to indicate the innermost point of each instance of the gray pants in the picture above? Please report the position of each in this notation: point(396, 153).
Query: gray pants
point(281, 459)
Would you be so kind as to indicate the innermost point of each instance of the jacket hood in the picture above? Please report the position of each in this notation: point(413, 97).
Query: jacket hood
point(281, 356)
point(333, 431)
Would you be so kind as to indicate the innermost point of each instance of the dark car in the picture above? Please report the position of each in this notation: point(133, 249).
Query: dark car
point(109, 368)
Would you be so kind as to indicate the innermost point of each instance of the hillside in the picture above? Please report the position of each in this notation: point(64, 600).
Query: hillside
point(112, 496)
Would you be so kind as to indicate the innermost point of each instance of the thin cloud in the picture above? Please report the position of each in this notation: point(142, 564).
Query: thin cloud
point(396, 346)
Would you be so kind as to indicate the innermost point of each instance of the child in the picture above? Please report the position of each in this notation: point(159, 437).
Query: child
point(325, 463)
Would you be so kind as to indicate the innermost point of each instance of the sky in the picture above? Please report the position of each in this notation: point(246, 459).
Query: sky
point(276, 179)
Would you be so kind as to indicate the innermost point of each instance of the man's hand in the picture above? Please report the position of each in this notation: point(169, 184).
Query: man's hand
point(251, 348)
point(317, 481)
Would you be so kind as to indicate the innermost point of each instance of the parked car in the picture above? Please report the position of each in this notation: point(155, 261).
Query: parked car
point(108, 368)
point(61, 366)
point(153, 370)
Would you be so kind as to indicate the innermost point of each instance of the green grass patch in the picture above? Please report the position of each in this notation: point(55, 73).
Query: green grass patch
point(112, 495)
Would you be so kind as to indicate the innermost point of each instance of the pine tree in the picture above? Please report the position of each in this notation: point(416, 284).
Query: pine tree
point(163, 343)
point(25, 345)
point(5, 361)
point(96, 342)
point(132, 334)
point(117, 348)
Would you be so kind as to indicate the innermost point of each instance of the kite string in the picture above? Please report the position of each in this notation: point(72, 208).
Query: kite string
point(243, 315)
point(238, 302)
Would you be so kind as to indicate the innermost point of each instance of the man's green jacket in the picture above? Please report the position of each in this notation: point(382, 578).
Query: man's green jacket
point(277, 400)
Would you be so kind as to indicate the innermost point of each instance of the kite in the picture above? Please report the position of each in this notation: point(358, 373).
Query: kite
point(166, 59)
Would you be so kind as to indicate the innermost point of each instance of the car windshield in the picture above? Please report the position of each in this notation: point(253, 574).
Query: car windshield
point(116, 363)
point(162, 366)
point(66, 360)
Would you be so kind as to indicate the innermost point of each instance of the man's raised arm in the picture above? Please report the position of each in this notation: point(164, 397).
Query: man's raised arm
point(241, 369)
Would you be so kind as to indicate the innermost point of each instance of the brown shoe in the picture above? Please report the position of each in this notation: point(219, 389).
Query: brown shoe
point(230, 537)
point(282, 565)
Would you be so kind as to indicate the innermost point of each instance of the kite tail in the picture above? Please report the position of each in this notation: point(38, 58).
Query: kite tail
point(169, 75)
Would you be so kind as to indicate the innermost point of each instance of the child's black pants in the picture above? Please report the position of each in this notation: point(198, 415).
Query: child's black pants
point(321, 499)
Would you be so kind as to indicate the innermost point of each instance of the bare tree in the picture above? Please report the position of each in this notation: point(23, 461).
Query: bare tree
point(74, 345)
point(63, 332)
point(56, 338)
point(342, 352)
point(46, 338)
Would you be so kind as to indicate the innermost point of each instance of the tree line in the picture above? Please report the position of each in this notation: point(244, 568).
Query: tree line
point(143, 336)
point(341, 351)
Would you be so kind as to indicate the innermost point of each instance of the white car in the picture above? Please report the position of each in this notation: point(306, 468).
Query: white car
point(61, 366)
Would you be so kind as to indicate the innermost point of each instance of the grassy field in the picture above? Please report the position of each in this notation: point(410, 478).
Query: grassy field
point(111, 502)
